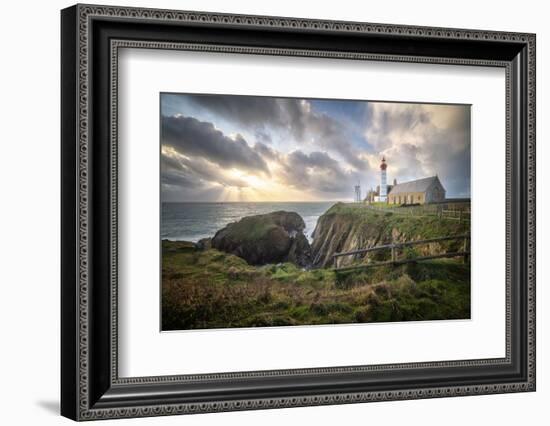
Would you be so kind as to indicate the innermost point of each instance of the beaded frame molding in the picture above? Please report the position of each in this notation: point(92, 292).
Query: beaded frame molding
point(91, 39)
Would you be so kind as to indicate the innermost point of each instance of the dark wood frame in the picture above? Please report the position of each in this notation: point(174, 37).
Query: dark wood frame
point(91, 37)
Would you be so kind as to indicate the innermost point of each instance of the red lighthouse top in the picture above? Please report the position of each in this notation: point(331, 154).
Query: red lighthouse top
point(383, 165)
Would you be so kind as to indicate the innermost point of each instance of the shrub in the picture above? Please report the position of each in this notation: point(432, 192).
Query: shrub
point(319, 309)
point(383, 290)
point(265, 297)
point(363, 315)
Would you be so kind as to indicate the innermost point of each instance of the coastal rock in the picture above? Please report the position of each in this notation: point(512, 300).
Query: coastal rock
point(349, 227)
point(300, 251)
point(267, 238)
point(204, 244)
point(339, 231)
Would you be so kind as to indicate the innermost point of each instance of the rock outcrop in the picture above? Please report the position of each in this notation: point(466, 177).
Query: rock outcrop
point(267, 238)
point(204, 244)
point(337, 232)
point(349, 227)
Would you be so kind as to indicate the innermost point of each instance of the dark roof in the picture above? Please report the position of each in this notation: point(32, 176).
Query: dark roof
point(419, 185)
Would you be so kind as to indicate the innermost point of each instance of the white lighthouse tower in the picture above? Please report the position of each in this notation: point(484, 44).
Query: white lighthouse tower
point(383, 195)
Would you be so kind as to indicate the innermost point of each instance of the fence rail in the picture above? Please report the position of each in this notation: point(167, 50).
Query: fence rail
point(394, 246)
point(445, 211)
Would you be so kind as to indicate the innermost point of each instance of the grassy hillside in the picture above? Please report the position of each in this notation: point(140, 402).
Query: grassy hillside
point(348, 227)
point(410, 226)
point(212, 289)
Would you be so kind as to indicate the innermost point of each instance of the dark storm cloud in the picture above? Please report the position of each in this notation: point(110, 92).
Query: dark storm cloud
point(194, 172)
point(253, 111)
point(193, 138)
point(332, 134)
point(266, 152)
point(320, 149)
point(316, 171)
point(245, 109)
point(173, 173)
point(179, 182)
point(291, 115)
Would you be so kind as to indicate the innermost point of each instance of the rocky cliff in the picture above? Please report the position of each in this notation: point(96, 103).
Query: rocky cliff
point(267, 238)
point(348, 227)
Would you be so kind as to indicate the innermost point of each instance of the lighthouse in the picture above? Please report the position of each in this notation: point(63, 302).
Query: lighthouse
point(383, 194)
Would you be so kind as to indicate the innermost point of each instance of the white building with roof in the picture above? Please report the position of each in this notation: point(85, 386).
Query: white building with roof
point(419, 191)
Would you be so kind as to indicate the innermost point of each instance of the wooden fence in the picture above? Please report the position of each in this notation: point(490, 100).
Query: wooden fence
point(465, 253)
point(441, 211)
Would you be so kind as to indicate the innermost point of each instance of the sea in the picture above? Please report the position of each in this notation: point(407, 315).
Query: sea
point(194, 221)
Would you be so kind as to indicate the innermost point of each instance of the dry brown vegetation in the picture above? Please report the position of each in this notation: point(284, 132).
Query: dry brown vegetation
point(211, 289)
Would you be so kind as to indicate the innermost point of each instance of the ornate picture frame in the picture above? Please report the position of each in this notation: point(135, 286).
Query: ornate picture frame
point(91, 37)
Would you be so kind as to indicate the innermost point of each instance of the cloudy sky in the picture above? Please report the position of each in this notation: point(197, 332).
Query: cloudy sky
point(250, 148)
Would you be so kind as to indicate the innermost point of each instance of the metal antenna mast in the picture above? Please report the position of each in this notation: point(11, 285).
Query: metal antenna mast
point(358, 192)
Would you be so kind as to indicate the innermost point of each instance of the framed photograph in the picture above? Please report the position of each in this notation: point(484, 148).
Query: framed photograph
point(263, 212)
point(278, 232)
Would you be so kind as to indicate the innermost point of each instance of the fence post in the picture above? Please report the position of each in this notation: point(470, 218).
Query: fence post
point(465, 249)
point(393, 253)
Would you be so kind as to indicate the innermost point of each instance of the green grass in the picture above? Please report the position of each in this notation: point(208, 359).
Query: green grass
point(253, 228)
point(384, 205)
point(383, 226)
point(211, 289)
point(427, 226)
